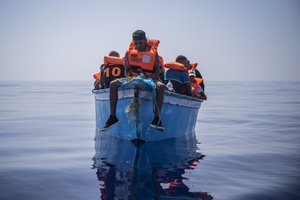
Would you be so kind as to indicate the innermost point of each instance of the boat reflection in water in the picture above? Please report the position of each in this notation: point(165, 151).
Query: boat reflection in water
point(153, 170)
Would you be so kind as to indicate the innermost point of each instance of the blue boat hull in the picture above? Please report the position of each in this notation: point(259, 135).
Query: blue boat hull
point(178, 115)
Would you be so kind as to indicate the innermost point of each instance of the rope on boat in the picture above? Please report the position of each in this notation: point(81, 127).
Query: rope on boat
point(132, 110)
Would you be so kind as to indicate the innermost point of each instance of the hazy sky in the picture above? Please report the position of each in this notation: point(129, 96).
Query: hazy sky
point(230, 39)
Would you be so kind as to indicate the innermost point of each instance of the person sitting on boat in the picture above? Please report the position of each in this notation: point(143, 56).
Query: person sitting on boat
point(177, 74)
point(112, 69)
point(162, 69)
point(197, 90)
point(193, 66)
point(141, 58)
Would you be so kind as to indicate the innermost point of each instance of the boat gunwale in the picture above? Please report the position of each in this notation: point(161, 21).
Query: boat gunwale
point(167, 93)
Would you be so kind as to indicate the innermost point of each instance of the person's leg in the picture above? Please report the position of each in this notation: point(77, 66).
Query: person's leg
point(156, 122)
point(113, 96)
point(113, 99)
point(159, 97)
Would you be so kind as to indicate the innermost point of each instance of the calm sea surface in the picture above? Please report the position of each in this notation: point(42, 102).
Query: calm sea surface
point(246, 146)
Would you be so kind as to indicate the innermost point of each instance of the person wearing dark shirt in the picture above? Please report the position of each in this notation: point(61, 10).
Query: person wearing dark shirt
point(111, 69)
point(197, 89)
point(179, 77)
point(198, 75)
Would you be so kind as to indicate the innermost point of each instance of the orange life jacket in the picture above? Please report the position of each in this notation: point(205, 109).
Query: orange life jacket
point(196, 84)
point(175, 66)
point(109, 60)
point(113, 68)
point(142, 61)
point(97, 75)
point(113, 60)
point(194, 65)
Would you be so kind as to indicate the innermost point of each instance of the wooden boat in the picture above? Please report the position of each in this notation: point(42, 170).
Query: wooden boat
point(178, 115)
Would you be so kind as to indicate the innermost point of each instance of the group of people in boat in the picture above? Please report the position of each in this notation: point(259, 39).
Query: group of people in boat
point(142, 59)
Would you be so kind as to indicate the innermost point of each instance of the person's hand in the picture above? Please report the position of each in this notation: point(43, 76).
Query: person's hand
point(171, 90)
point(97, 84)
point(203, 96)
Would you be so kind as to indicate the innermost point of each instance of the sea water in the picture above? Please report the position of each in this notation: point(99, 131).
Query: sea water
point(246, 146)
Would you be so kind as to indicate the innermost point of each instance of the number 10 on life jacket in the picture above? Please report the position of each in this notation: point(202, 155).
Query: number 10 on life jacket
point(113, 69)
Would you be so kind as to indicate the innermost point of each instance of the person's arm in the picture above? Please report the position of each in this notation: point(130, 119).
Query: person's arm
point(186, 83)
point(188, 88)
point(102, 81)
point(156, 69)
point(126, 64)
point(198, 75)
point(202, 85)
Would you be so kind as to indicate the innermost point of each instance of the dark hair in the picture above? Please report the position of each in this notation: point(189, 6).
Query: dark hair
point(138, 35)
point(114, 54)
point(180, 58)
